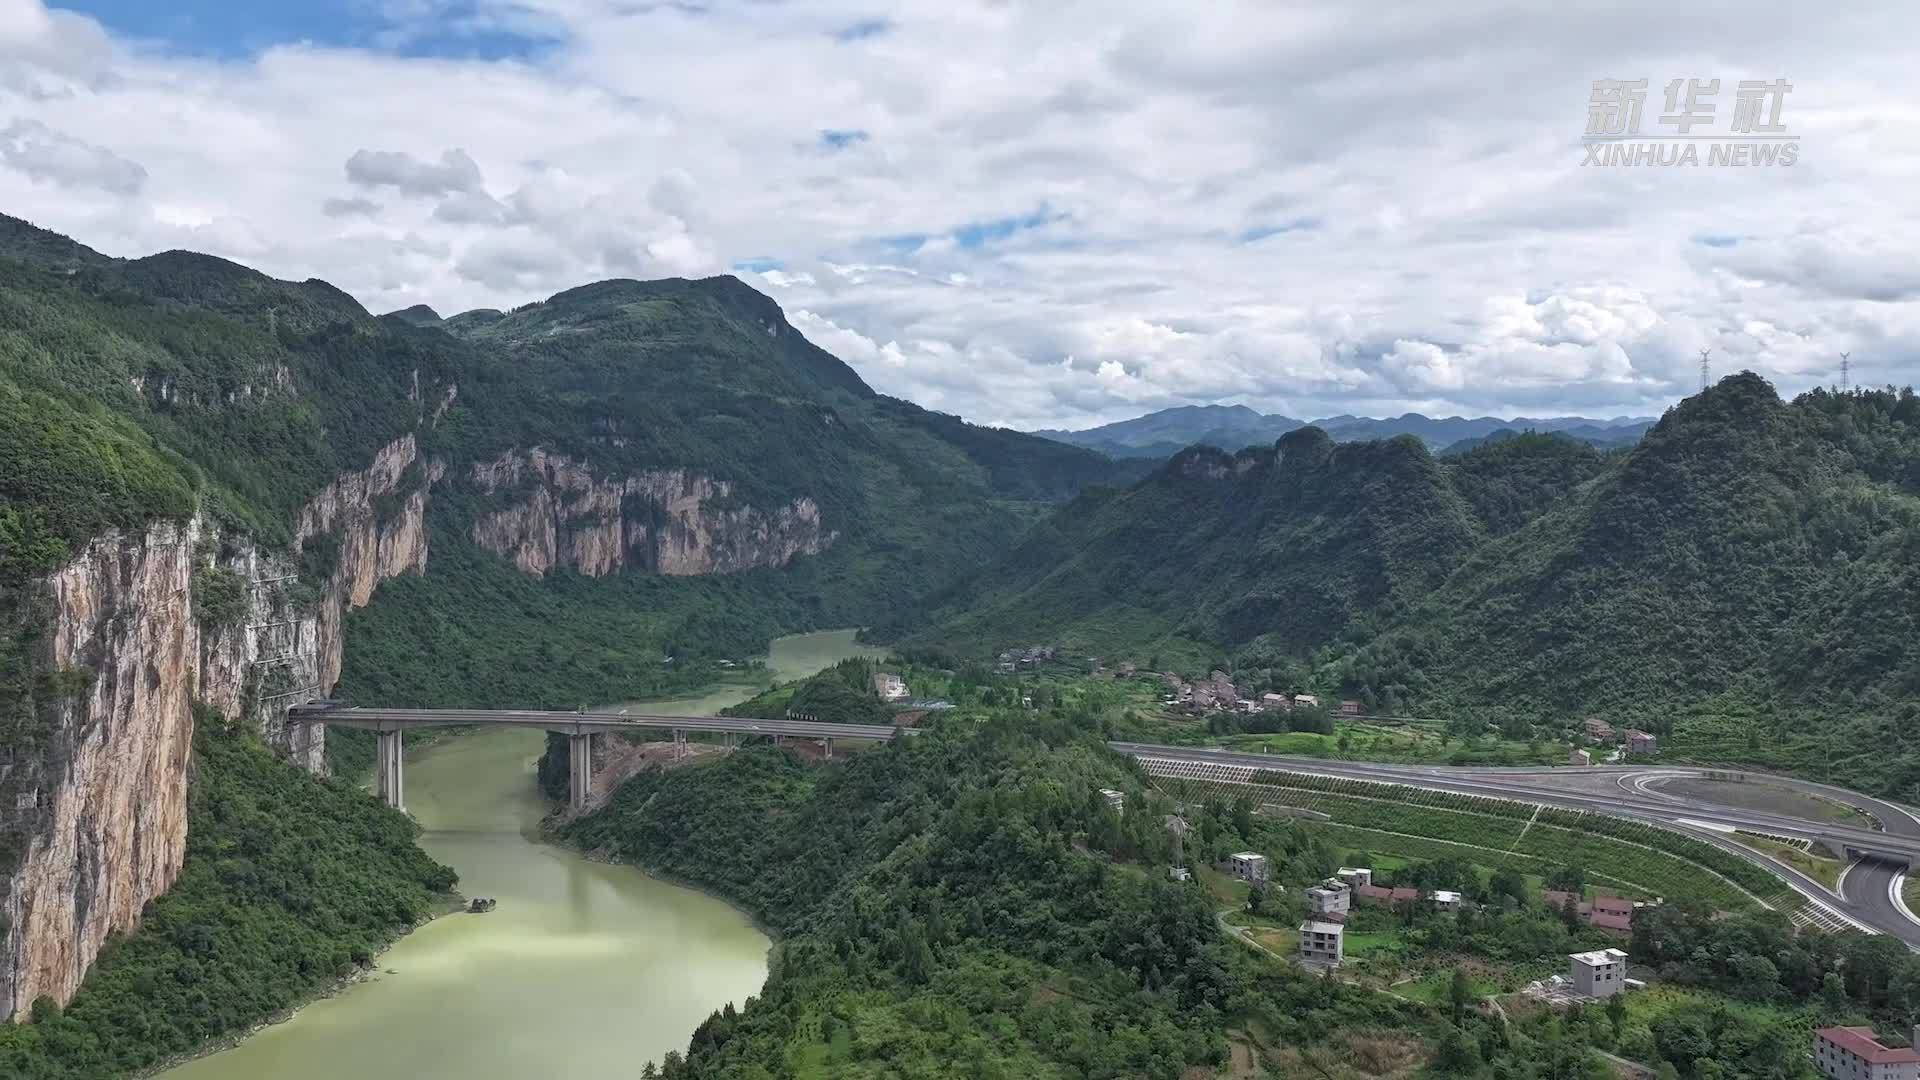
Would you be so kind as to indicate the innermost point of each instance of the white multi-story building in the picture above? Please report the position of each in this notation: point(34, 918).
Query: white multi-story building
point(1601, 973)
point(1330, 897)
point(1248, 866)
point(1322, 942)
point(1355, 876)
point(1853, 1053)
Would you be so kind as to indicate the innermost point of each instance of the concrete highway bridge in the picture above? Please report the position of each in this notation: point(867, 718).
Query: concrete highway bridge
point(579, 727)
point(1868, 893)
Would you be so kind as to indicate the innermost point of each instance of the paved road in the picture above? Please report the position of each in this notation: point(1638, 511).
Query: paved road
point(1635, 793)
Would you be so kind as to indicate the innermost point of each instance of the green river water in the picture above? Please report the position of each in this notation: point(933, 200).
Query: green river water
point(584, 971)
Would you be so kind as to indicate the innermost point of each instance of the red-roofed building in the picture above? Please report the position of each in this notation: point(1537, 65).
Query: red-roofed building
point(1853, 1053)
point(1374, 893)
point(1405, 896)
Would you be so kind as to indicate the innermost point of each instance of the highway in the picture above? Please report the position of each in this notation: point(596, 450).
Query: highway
point(1868, 894)
point(581, 723)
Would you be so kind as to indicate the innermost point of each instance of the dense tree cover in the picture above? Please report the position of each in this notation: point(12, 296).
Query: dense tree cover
point(1285, 546)
point(289, 884)
point(966, 903)
point(1750, 556)
point(842, 694)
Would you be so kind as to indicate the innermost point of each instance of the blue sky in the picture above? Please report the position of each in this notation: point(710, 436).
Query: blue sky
point(238, 28)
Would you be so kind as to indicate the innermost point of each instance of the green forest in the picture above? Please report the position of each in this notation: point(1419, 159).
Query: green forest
point(290, 885)
point(1750, 567)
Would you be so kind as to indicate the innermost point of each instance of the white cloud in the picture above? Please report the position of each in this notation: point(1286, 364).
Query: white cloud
point(454, 172)
point(64, 161)
point(1060, 214)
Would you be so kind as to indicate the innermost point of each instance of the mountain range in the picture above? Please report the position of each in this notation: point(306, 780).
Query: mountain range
point(1747, 551)
point(221, 492)
point(1232, 427)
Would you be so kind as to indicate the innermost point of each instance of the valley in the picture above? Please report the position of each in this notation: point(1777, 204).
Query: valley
point(225, 494)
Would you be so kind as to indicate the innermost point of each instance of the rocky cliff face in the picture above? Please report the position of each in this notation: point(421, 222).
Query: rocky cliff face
point(138, 629)
point(372, 545)
point(666, 521)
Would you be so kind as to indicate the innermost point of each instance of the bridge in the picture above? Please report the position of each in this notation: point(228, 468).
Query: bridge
point(580, 727)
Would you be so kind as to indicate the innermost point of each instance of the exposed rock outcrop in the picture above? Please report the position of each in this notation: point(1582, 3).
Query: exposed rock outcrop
point(666, 521)
point(137, 629)
point(371, 547)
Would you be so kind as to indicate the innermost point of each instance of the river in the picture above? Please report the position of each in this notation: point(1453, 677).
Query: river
point(584, 971)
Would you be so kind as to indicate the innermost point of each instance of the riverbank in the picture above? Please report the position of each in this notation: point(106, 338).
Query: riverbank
point(447, 904)
point(599, 957)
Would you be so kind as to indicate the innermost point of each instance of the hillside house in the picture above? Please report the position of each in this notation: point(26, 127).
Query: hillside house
point(1639, 742)
point(1305, 701)
point(1579, 757)
point(1601, 973)
point(1322, 943)
point(1355, 876)
point(1350, 707)
point(1446, 899)
point(1330, 897)
point(1270, 702)
point(1613, 914)
point(1248, 866)
point(1855, 1053)
point(889, 686)
point(1116, 799)
point(1597, 728)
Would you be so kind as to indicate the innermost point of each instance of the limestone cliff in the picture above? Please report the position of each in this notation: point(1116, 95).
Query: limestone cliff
point(668, 521)
point(136, 630)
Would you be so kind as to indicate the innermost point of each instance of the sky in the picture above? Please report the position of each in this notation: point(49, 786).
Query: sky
point(1048, 214)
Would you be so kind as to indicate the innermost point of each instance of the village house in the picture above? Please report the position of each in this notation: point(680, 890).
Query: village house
point(1383, 895)
point(1330, 897)
point(1272, 701)
point(1350, 707)
point(1248, 866)
point(889, 686)
point(1579, 757)
point(1322, 943)
point(1854, 1053)
point(1613, 914)
point(1597, 728)
point(1115, 799)
point(1446, 899)
point(1305, 701)
point(1178, 873)
point(1639, 742)
point(1601, 973)
point(1355, 876)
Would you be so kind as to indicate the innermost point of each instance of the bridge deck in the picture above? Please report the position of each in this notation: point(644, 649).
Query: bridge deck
point(578, 723)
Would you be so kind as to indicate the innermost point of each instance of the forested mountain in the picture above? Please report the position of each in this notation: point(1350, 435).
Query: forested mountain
point(220, 492)
point(680, 430)
point(1747, 547)
point(1233, 427)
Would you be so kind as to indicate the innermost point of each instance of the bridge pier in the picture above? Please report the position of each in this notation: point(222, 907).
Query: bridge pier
point(388, 779)
point(679, 744)
point(579, 770)
point(827, 747)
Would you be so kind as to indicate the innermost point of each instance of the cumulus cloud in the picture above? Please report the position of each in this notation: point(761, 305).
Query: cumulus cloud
point(455, 172)
point(56, 158)
point(350, 207)
point(993, 210)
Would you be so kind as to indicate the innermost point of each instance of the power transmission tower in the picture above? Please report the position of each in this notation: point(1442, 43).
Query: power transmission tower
point(1843, 372)
point(1706, 372)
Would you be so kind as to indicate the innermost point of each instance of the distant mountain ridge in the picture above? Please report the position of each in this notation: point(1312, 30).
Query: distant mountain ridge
point(1233, 427)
